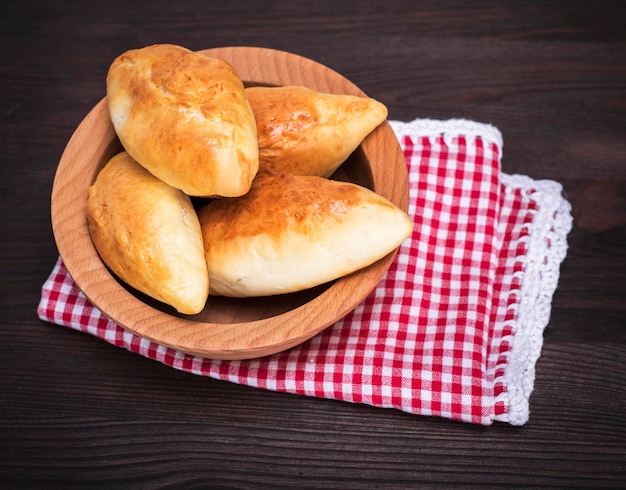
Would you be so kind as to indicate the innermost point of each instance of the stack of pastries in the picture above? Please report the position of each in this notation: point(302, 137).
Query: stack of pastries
point(270, 219)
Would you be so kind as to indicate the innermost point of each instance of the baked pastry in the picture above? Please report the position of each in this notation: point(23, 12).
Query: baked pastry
point(291, 233)
point(148, 234)
point(185, 117)
point(304, 132)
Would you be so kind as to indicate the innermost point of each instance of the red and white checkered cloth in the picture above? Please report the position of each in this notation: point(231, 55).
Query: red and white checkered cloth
point(455, 327)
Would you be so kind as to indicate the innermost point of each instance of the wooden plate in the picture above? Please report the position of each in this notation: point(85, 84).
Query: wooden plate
point(227, 328)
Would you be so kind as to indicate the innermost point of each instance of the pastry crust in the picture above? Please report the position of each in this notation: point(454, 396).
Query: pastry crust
point(304, 132)
point(148, 234)
point(185, 117)
point(294, 232)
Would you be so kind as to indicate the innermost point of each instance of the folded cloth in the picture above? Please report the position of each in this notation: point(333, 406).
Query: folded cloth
point(454, 329)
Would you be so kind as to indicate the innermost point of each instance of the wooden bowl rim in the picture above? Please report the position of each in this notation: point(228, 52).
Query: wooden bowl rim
point(242, 340)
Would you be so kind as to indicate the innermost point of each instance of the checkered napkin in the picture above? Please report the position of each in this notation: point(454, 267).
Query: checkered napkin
point(455, 327)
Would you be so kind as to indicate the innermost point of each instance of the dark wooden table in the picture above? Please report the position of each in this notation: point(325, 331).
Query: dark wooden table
point(78, 412)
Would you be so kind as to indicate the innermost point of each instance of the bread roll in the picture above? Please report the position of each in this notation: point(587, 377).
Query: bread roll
point(294, 232)
point(304, 132)
point(185, 117)
point(148, 234)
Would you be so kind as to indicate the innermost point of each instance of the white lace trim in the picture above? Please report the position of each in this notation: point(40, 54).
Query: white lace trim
point(546, 249)
point(448, 129)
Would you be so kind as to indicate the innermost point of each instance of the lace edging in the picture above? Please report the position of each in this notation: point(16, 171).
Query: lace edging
point(545, 251)
point(448, 128)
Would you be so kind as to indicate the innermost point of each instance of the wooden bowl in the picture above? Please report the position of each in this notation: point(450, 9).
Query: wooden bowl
point(227, 328)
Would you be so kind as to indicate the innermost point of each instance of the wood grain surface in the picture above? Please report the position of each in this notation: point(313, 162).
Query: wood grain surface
point(76, 412)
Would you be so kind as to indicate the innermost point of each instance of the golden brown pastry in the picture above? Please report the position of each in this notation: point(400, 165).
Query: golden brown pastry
point(294, 232)
point(185, 117)
point(148, 233)
point(304, 132)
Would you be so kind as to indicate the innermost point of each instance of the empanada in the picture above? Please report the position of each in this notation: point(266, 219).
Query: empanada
point(304, 132)
point(148, 234)
point(291, 233)
point(185, 117)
